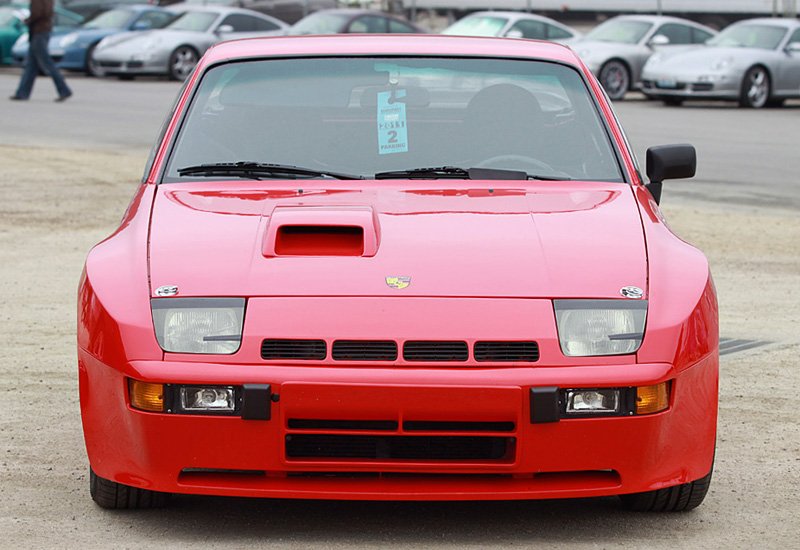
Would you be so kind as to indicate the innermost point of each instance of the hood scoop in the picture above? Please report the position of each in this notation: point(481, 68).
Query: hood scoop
point(321, 231)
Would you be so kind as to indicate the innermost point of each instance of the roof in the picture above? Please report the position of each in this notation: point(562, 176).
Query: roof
point(412, 44)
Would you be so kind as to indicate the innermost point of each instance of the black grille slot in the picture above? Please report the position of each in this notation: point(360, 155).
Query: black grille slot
point(363, 425)
point(396, 447)
point(506, 351)
point(303, 350)
point(435, 351)
point(443, 426)
point(364, 350)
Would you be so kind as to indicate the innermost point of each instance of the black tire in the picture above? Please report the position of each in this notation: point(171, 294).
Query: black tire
point(756, 88)
point(182, 62)
point(110, 494)
point(93, 67)
point(680, 498)
point(615, 78)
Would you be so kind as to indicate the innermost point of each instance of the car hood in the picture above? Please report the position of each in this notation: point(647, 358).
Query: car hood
point(156, 39)
point(581, 240)
point(592, 51)
point(702, 58)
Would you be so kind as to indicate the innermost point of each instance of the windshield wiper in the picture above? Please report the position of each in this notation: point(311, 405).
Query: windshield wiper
point(258, 170)
point(453, 172)
point(425, 173)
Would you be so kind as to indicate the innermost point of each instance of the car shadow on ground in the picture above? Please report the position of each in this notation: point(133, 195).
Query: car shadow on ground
point(353, 523)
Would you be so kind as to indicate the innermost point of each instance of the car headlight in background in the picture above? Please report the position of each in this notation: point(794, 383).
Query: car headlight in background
point(198, 325)
point(68, 40)
point(721, 64)
point(600, 327)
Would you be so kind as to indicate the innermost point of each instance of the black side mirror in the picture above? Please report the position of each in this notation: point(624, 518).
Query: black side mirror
point(669, 162)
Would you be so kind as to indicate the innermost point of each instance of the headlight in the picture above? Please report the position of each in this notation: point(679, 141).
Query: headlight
point(721, 64)
point(198, 325)
point(600, 327)
point(68, 40)
point(21, 41)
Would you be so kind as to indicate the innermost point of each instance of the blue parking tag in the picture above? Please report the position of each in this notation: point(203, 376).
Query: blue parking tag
point(392, 131)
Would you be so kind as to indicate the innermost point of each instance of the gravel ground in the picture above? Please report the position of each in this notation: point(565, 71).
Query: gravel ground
point(57, 203)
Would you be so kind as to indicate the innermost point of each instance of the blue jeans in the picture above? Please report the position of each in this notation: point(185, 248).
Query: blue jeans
point(39, 62)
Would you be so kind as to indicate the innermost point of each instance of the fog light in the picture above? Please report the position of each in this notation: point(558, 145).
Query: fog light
point(652, 399)
point(146, 396)
point(208, 398)
point(601, 401)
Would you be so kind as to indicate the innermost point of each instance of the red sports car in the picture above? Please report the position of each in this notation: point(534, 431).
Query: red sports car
point(398, 268)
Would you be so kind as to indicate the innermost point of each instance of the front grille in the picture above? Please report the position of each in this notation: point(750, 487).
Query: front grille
point(304, 350)
point(364, 350)
point(702, 87)
point(414, 351)
point(435, 351)
point(506, 351)
point(111, 64)
point(396, 447)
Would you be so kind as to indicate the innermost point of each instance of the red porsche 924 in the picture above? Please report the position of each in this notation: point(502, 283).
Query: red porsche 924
point(398, 268)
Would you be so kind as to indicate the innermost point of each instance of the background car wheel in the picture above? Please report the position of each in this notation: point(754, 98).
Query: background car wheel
point(615, 78)
point(755, 88)
point(93, 67)
point(680, 498)
point(109, 494)
point(182, 62)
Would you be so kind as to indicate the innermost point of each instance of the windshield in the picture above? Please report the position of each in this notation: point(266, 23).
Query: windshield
point(477, 26)
point(763, 37)
point(363, 116)
point(622, 31)
point(7, 16)
point(112, 19)
point(193, 21)
point(320, 23)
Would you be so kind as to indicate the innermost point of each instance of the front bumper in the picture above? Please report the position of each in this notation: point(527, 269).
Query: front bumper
point(485, 413)
point(115, 66)
point(691, 86)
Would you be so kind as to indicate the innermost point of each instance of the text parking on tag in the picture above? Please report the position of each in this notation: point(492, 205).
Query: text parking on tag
point(392, 131)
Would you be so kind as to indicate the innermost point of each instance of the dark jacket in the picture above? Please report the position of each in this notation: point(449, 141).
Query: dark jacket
point(41, 19)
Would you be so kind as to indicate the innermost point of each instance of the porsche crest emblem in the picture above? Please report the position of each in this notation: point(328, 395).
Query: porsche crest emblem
point(398, 282)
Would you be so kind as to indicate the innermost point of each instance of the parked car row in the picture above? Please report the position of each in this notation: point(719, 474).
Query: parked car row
point(755, 62)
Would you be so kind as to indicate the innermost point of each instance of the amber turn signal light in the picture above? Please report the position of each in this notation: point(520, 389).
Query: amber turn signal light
point(146, 396)
point(652, 399)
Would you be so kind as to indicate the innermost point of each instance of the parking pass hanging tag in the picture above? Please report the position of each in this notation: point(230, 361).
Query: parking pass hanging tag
point(392, 131)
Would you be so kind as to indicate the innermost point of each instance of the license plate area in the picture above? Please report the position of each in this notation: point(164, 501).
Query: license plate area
point(401, 425)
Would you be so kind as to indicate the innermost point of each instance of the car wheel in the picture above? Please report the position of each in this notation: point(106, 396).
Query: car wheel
point(182, 62)
point(109, 494)
point(93, 67)
point(615, 78)
point(755, 88)
point(680, 498)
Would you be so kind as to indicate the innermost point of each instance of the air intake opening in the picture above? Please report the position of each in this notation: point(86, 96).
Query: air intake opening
point(319, 240)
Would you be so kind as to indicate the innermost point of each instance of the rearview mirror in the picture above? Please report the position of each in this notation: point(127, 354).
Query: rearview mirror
point(669, 162)
point(659, 40)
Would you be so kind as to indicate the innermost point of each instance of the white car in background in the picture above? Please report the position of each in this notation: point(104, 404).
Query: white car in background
point(617, 49)
point(512, 24)
point(175, 50)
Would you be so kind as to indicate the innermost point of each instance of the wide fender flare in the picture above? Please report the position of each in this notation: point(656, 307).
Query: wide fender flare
point(683, 314)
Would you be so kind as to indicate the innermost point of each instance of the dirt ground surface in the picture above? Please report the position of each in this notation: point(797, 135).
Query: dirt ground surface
point(57, 203)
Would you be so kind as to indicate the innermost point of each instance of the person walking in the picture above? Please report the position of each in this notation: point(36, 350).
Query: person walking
point(40, 24)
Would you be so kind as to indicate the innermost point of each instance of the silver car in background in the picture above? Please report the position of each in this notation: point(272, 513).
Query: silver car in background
point(176, 49)
point(617, 49)
point(513, 24)
point(755, 62)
